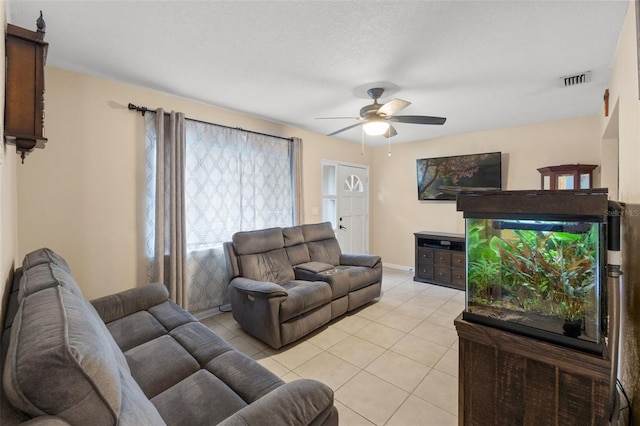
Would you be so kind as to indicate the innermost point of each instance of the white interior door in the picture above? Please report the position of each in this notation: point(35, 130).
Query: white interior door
point(353, 209)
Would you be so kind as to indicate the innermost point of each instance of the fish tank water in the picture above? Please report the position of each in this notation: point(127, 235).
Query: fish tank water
point(538, 277)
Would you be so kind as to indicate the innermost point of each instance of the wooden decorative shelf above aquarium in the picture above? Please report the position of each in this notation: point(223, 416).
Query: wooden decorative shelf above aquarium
point(567, 176)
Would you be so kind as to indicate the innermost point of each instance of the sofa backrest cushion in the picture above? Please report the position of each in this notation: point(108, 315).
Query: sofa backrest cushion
point(322, 243)
point(43, 276)
point(259, 241)
point(60, 361)
point(262, 257)
point(44, 255)
point(272, 266)
point(294, 245)
point(63, 361)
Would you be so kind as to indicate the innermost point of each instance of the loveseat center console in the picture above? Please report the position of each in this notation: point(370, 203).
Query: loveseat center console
point(440, 259)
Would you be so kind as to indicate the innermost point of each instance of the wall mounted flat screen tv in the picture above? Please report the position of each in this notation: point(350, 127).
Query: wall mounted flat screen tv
point(442, 178)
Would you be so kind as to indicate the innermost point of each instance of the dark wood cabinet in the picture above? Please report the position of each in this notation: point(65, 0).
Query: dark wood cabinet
point(26, 54)
point(508, 379)
point(440, 259)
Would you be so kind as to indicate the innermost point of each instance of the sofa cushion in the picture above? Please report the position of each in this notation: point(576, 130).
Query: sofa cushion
point(298, 254)
point(116, 306)
point(337, 277)
point(292, 236)
point(201, 343)
point(361, 276)
point(163, 355)
point(303, 297)
point(260, 241)
point(318, 232)
point(271, 266)
point(325, 251)
point(187, 403)
point(44, 255)
point(171, 315)
point(61, 361)
point(146, 328)
point(244, 375)
point(43, 276)
point(315, 267)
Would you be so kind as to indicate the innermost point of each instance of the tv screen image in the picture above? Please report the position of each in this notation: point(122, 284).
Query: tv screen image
point(442, 178)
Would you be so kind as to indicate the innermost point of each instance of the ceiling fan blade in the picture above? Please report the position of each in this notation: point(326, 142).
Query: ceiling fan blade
point(394, 106)
point(345, 128)
point(391, 132)
point(417, 119)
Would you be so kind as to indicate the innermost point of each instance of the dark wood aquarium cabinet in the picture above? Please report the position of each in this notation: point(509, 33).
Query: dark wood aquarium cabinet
point(440, 259)
point(508, 379)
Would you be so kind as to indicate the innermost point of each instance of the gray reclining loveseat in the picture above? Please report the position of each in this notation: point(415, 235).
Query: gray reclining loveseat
point(287, 282)
point(133, 358)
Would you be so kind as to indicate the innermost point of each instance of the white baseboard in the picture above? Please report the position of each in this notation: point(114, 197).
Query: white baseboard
point(394, 266)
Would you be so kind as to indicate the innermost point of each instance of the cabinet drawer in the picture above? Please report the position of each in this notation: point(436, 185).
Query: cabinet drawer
point(425, 270)
point(425, 255)
point(442, 258)
point(442, 274)
point(457, 260)
point(458, 277)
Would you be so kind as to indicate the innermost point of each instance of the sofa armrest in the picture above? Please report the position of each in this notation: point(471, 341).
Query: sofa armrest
point(301, 402)
point(369, 260)
point(119, 305)
point(260, 289)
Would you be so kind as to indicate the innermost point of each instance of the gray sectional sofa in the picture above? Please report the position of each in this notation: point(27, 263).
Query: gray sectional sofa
point(133, 358)
point(287, 282)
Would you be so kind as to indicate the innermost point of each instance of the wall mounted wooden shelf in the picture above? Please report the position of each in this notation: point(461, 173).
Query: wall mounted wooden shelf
point(24, 87)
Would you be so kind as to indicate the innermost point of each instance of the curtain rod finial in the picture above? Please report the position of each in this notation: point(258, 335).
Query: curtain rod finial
point(139, 109)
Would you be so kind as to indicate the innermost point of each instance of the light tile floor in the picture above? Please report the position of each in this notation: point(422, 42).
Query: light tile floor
point(391, 362)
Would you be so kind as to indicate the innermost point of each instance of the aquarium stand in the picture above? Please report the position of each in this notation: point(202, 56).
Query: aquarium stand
point(440, 259)
point(509, 379)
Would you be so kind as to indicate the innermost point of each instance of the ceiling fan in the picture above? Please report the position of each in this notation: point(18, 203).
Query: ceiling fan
point(377, 118)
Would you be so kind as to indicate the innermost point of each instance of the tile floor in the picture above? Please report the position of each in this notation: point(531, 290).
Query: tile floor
point(391, 362)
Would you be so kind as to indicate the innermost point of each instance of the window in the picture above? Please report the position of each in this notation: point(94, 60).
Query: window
point(234, 181)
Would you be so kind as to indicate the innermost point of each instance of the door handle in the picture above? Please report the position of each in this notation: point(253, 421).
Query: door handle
point(343, 227)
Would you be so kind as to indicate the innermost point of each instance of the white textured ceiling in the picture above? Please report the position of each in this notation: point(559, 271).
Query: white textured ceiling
point(481, 64)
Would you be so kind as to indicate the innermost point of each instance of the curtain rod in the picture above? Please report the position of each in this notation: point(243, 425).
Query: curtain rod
point(144, 110)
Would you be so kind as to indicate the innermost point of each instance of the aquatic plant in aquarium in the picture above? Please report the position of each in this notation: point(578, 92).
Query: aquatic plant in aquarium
point(540, 277)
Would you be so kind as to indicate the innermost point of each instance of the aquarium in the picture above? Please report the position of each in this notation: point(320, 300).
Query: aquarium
point(538, 276)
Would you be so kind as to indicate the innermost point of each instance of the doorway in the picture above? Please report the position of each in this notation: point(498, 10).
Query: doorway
point(346, 204)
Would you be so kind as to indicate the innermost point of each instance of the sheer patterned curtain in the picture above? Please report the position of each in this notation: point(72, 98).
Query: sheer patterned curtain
point(233, 181)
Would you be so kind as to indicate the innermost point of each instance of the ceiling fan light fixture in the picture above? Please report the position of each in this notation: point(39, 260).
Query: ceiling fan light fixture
point(376, 127)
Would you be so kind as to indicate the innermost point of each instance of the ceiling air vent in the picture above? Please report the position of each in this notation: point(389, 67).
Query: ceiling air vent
point(573, 80)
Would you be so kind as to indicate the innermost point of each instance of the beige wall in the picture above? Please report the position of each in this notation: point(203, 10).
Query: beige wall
point(83, 194)
point(623, 123)
point(8, 200)
point(397, 213)
point(623, 128)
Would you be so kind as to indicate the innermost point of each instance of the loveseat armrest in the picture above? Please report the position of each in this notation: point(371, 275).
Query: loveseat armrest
point(119, 305)
point(368, 260)
point(301, 402)
point(259, 289)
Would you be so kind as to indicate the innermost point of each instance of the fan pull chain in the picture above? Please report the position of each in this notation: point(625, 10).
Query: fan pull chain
point(362, 137)
point(389, 140)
